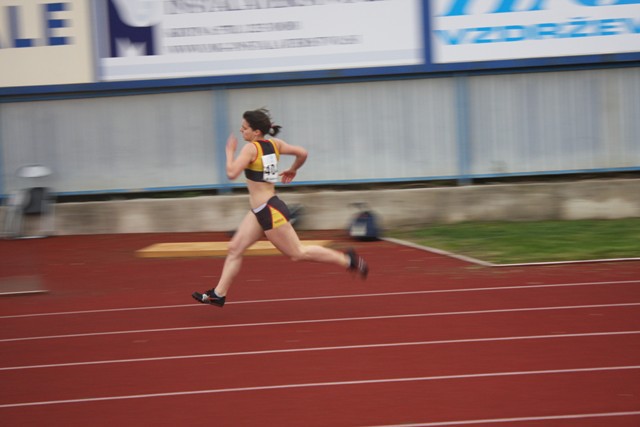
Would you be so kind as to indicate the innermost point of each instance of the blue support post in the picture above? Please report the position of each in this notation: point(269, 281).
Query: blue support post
point(3, 195)
point(220, 133)
point(463, 136)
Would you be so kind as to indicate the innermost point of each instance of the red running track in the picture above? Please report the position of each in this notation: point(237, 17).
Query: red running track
point(426, 340)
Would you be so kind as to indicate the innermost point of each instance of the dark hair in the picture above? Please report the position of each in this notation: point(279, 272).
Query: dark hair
point(261, 120)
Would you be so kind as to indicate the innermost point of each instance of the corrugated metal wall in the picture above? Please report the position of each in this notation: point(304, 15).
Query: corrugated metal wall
point(577, 120)
point(428, 128)
point(114, 143)
point(363, 131)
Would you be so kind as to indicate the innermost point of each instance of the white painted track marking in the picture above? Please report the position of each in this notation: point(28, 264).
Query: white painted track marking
point(477, 261)
point(326, 384)
point(519, 419)
point(333, 348)
point(340, 319)
point(387, 294)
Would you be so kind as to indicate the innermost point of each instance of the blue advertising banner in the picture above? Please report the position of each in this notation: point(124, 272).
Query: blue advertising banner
point(484, 30)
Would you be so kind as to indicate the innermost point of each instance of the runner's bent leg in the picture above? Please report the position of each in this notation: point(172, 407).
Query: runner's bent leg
point(285, 239)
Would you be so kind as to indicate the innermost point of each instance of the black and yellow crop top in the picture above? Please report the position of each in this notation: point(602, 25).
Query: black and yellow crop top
point(265, 167)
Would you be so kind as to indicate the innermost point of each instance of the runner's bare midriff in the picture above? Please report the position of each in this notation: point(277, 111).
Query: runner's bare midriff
point(260, 193)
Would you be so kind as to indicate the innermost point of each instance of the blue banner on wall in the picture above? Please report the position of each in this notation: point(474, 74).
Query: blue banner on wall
point(498, 30)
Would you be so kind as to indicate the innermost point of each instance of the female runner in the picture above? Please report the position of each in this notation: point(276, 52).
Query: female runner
point(269, 215)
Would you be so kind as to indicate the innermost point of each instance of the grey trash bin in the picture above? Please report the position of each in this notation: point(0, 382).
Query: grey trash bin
point(36, 202)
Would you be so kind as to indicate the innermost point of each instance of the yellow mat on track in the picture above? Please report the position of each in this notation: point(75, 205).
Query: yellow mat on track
point(211, 249)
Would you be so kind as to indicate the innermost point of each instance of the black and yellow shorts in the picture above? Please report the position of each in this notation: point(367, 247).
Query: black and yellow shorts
point(272, 214)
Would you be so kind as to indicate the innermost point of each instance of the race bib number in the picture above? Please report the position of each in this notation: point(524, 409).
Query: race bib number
point(270, 164)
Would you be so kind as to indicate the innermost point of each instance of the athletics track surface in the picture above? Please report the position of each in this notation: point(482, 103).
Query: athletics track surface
point(427, 340)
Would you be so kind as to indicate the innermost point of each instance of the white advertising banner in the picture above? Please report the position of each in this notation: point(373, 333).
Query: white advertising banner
point(146, 39)
point(45, 43)
point(490, 30)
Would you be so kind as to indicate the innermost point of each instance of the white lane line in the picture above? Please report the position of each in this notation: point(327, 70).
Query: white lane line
point(519, 419)
point(325, 384)
point(386, 294)
point(339, 319)
point(332, 348)
point(472, 260)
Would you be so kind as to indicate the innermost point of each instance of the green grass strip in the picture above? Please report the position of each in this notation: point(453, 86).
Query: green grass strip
point(523, 242)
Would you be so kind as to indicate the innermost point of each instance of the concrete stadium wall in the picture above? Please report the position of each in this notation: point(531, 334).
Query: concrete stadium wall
point(589, 199)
